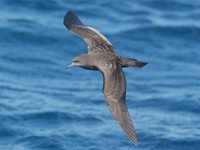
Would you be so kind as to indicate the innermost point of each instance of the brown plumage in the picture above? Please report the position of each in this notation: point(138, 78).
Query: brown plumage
point(102, 56)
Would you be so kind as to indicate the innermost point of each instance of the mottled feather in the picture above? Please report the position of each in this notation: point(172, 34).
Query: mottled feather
point(114, 89)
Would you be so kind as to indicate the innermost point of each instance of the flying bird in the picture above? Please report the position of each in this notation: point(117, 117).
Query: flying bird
point(102, 56)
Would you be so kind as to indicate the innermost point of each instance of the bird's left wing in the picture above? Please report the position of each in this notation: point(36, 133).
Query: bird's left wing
point(114, 89)
point(95, 40)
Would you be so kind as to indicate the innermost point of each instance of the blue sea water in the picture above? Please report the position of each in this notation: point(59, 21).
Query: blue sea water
point(44, 106)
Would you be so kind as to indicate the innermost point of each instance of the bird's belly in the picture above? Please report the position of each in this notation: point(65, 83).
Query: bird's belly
point(90, 68)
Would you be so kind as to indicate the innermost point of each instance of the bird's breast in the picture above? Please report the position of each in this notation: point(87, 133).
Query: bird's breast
point(90, 68)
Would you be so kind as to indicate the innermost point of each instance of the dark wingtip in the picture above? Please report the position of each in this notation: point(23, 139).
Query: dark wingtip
point(71, 19)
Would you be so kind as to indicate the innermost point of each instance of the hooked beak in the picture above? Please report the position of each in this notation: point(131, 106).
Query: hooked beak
point(71, 65)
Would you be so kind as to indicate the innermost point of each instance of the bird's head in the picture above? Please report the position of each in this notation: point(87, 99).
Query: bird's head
point(81, 61)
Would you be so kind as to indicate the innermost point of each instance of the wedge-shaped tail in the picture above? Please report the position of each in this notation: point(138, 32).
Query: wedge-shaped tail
point(129, 62)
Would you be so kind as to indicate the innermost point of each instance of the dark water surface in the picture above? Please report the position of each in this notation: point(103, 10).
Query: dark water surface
point(43, 106)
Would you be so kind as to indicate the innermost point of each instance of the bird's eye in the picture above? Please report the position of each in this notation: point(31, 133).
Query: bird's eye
point(75, 61)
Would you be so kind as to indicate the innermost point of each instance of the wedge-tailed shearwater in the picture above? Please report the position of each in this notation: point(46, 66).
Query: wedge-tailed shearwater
point(102, 56)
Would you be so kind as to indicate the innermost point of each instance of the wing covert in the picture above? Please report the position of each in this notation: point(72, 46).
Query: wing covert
point(114, 89)
point(91, 36)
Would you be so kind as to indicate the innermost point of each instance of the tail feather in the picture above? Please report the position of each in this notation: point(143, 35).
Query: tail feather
point(127, 62)
point(139, 64)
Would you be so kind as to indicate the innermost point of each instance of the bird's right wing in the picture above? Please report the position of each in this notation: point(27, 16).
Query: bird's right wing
point(114, 89)
point(95, 40)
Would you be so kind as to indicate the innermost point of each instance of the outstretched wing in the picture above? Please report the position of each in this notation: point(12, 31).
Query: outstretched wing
point(114, 89)
point(94, 39)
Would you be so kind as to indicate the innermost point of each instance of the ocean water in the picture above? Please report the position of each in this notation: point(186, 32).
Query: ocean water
point(44, 106)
